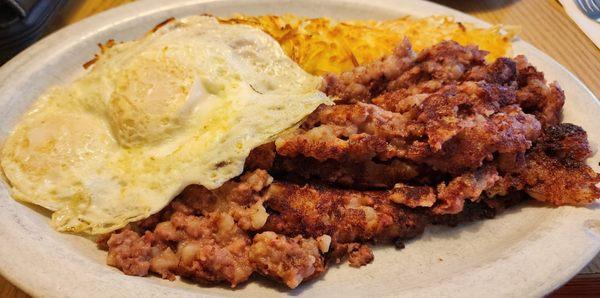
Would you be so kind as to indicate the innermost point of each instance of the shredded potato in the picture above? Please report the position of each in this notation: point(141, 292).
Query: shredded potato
point(322, 45)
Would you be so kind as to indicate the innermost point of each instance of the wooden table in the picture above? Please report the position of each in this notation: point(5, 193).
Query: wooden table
point(544, 24)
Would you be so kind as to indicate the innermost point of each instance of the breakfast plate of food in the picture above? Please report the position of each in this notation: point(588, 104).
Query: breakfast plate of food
point(318, 148)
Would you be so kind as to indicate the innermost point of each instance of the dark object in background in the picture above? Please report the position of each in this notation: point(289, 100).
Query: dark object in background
point(22, 22)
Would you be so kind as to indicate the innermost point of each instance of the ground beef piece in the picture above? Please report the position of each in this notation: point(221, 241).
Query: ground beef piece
point(453, 130)
point(130, 252)
point(356, 254)
point(554, 170)
point(535, 97)
point(345, 215)
point(210, 248)
point(366, 174)
point(367, 81)
point(290, 260)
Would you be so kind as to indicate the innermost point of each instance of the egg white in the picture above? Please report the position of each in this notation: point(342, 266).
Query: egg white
point(183, 105)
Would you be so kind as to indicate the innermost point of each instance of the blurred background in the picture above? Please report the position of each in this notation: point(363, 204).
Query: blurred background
point(22, 22)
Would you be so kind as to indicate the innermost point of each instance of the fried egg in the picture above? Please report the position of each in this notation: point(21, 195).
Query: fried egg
point(183, 105)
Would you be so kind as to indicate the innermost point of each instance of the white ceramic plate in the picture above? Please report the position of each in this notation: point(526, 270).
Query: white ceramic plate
point(527, 251)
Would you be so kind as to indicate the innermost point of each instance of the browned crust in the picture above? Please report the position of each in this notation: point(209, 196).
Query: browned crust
point(161, 24)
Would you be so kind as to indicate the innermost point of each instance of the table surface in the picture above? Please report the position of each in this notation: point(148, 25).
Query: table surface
point(544, 24)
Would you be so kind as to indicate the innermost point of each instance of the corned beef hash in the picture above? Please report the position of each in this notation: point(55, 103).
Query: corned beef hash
point(215, 149)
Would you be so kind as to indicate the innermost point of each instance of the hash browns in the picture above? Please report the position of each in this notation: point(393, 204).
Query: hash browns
point(322, 45)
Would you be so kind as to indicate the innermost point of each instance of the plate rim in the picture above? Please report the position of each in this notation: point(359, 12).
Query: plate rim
point(146, 6)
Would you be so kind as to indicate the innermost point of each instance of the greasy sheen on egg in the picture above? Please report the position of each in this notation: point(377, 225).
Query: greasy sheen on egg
point(182, 105)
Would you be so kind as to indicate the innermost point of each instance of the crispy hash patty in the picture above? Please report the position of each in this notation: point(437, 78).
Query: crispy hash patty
point(323, 45)
point(438, 137)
